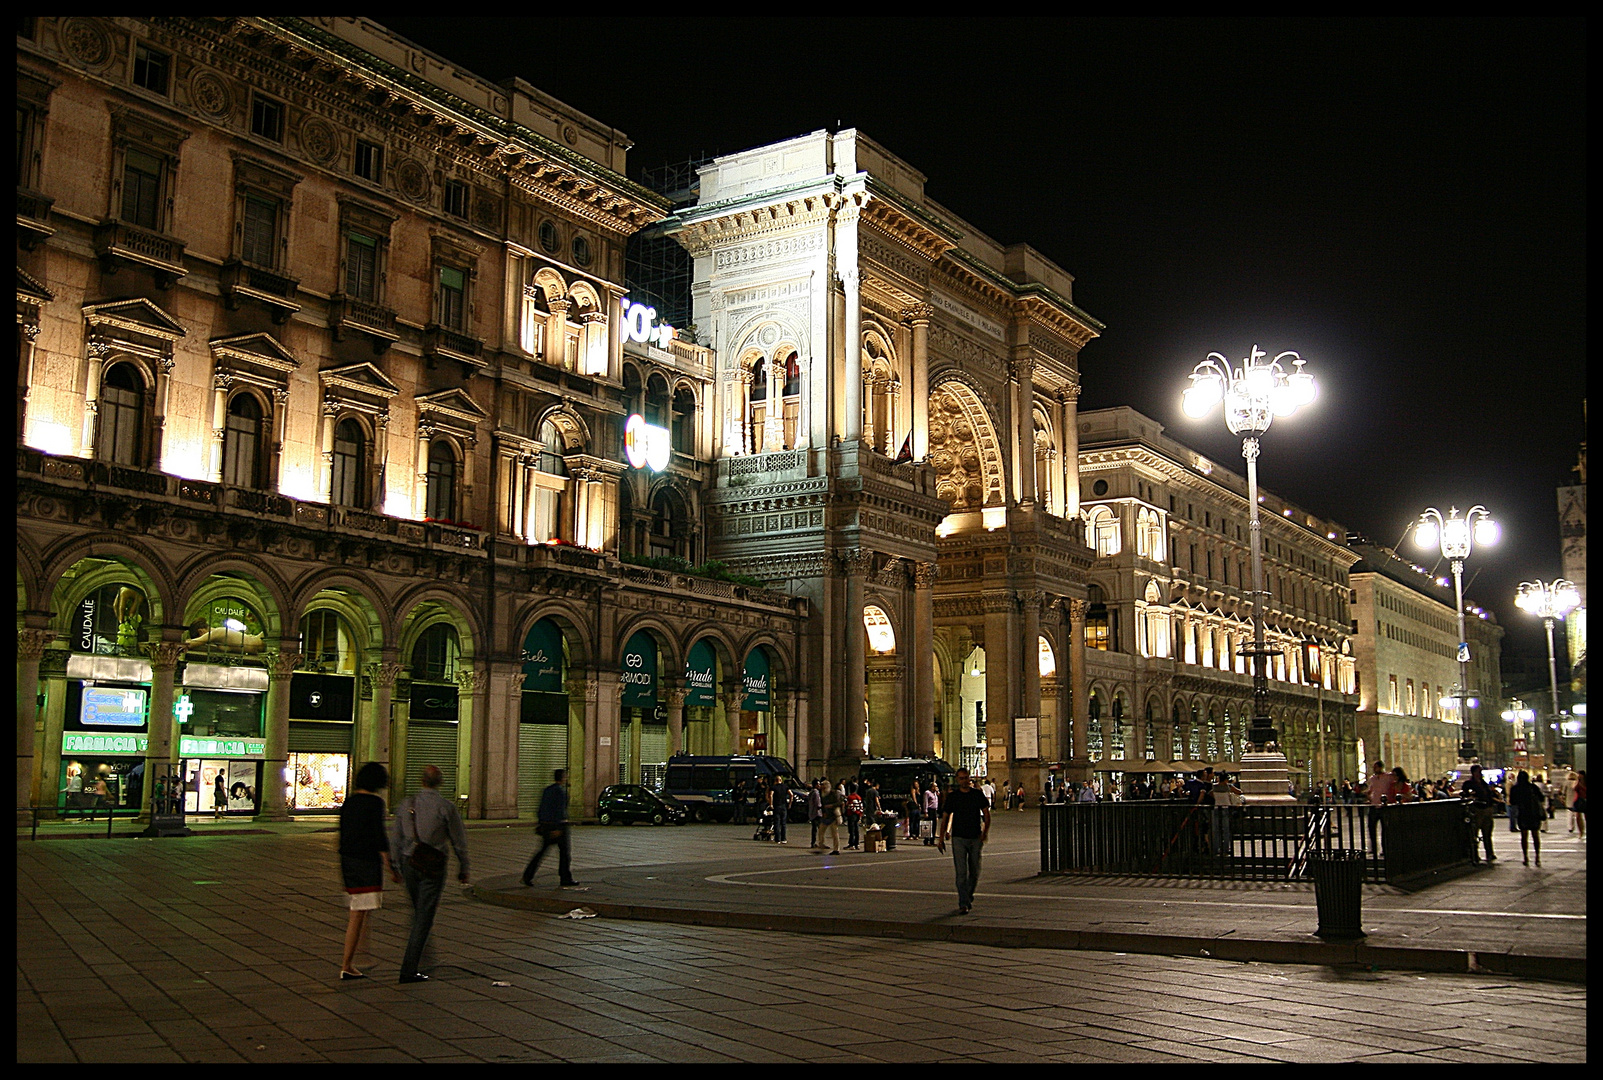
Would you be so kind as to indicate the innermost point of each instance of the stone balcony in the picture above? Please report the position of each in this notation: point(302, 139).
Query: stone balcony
point(347, 313)
point(33, 218)
point(443, 343)
point(118, 242)
point(275, 291)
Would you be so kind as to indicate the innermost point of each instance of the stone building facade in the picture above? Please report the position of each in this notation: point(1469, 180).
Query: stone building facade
point(893, 423)
point(323, 376)
point(1406, 641)
point(1169, 609)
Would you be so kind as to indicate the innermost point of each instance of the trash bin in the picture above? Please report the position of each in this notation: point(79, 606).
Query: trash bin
point(1338, 891)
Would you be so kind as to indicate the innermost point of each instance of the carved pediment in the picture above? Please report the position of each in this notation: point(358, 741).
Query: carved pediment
point(137, 322)
point(360, 382)
point(259, 350)
point(30, 290)
point(451, 408)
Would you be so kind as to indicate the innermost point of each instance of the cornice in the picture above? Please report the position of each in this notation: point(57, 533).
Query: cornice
point(703, 234)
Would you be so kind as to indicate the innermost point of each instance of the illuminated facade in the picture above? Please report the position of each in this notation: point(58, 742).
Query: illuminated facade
point(325, 369)
point(893, 439)
point(1406, 643)
point(1170, 608)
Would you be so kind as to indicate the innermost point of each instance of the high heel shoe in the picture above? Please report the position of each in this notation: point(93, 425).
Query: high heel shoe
point(351, 975)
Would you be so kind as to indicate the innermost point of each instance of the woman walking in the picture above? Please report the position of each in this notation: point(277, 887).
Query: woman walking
point(364, 858)
point(1529, 808)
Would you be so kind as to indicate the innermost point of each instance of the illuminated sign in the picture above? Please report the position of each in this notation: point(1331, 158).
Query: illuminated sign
point(191, 746)
point(645, 444)
point(74, 742)
point(105, 706)
point(637, 326)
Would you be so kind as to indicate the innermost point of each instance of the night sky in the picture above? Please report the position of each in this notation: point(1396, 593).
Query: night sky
point(1400, 201)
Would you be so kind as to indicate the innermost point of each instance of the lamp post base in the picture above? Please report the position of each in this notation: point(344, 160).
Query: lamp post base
point(1263, 779)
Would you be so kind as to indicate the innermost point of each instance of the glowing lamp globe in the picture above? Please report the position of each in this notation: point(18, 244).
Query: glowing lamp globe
point(1425, 534)
point(1486, 531)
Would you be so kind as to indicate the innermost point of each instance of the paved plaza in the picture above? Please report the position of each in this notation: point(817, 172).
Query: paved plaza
point(224, 946)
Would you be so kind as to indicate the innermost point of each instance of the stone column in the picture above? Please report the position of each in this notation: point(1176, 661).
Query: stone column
point(1070, 398)
point(383, 675)
point(221, 381)
point(924, 659)
point(1030, 649)
point(732, 702)
point(593, 356)
point(850, 729)
point(281, 667)
point(590, 790)
point(325, 453)
point(275, 460)
point(608, 705)
point(161, 751)
point(164, 381)
point(1022, 372)
point(1078, 689)
point(99, 351)
point(852, 331)
point(676, 720)
point(376, 488)
point(420, 478)
point(918, 317)
point(773, 435)
point(30, 331)
point(483, 789)
point(556, 332)
point(31, 645)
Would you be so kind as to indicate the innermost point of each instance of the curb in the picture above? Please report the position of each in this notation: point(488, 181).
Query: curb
point(1346, 954)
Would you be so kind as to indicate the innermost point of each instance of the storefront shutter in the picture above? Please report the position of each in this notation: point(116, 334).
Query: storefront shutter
point(314, 737)
point(542, 749)
point(431, 744)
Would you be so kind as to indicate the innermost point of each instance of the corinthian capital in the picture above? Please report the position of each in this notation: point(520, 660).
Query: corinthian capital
point(383, 674)
point(1030, 598)
point(471, 682)
point(918, 314)
point(31, 644)
point(282, 664)
point(163, 654)
point(924, 574)
point(1077, 610)
point(1022, 369)
point(855, 561)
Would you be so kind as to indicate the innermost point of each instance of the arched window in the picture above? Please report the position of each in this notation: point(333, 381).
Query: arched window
point(669, 532)
point(1097, 623)
point(1105, 532)
point(684, 421)
point(881, 638)
point(122, 416)
point(792, 397)
point(435, 656)
point(634, 397)
point(758, 398)
point(349, 487)
point(326, 642)
point(657, 401)
point(242, 440)
point(1177, 734)
point(440, 499)
point(550, 488)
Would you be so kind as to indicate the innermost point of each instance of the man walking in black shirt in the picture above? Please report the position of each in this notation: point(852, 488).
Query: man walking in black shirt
point(967, 814)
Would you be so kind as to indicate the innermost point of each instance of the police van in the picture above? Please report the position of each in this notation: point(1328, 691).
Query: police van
point(705, 784)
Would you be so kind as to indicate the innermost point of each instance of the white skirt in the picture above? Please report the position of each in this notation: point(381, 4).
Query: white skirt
point(367, 901)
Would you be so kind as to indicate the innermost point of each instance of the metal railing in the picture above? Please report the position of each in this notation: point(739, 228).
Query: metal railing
point(1163, 838)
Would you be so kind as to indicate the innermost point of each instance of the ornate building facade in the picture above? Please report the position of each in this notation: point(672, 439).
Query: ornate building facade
point(893, 423)
point(1169, 609)
point(1406, 641)
point(323, 377)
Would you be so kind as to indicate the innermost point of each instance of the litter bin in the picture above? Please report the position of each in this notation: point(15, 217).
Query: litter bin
point(1338, 891)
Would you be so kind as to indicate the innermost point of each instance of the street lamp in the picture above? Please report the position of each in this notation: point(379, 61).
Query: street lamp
point(1456, 536)
point(1549, 601)
point(1253, 395)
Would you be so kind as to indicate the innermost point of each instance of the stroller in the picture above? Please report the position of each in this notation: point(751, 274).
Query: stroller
point(765, 825)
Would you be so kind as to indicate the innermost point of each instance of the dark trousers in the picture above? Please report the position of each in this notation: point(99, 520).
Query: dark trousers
point(558, 835)
point(425, 893)
point(1485, 818)
point(740, 811)
point(851, 832)
point(781, 819)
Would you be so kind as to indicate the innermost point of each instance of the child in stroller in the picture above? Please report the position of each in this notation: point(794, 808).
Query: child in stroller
point(765, 825)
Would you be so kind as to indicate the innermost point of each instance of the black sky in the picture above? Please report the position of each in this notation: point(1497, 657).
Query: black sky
point(1400, 201)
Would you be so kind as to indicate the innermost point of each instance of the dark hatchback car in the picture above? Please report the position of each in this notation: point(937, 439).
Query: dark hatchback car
point(624, 803)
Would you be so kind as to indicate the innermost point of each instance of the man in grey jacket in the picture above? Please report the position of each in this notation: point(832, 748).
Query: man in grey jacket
point(424, 824)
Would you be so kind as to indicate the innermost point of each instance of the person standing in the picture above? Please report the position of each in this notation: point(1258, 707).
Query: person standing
point(424, 824)
point(1571, 785)
point(932, 809)
point(738, 797)
point(967, 817)
point(1087, 793)
point(219, 795)
point(1483, 808)
point(552, 826)
point(854, 815)
point(815, 809)
point(830, 804)
point(1381, 790)
point(1226, 796)
point(1529, 808)
point(364, 857)
point(988, 789)
point(915, 809)
point(779, 799)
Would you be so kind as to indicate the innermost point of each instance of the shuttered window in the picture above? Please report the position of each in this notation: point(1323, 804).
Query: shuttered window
point(261, 231)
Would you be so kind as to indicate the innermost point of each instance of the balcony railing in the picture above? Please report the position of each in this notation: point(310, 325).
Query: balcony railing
point(33, 217)
point(145, 247)
point(347, 312)
point(275, 291)
point(442, 341)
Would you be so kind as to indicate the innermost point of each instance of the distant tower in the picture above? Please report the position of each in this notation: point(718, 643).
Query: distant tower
point(1572, 538)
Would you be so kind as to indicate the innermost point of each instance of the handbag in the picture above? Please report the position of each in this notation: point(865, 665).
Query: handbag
point(426, 859)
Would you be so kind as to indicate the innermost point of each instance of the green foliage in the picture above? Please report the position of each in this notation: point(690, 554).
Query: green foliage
point(712, 568)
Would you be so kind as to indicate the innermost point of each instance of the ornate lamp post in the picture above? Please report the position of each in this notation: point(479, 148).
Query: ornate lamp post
point(1253, 395)
point(1456, 536)
point(1549, 601)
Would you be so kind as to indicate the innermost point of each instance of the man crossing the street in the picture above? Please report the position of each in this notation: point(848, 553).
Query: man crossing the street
point(967, 815)
point(552, 826)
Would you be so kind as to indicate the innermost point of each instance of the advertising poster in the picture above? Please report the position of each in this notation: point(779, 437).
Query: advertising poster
point(319, 781)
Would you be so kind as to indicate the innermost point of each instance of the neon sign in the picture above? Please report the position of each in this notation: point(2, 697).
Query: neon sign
point(645, 445)
point(637, 326)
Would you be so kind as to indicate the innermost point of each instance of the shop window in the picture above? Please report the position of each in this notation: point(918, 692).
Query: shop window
point(436, 654)
point(440, 497)
point(108, 621)
point(221, 713)
point(122, 416)
point(242, 442)
point(267, 118)
point(350, 466)
point(369, 161)
point(150, 69)
point(326, 642)
point(228, 628)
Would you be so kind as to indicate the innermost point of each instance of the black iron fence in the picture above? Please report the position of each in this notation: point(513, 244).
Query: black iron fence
point(1160, 838)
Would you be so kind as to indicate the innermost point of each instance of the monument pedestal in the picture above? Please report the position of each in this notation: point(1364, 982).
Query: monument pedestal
point(1263, 779)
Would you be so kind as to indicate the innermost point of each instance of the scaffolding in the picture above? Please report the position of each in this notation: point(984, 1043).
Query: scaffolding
point(656, 269)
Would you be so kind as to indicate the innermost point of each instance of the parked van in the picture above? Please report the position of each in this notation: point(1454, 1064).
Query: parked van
point(705, 784)
point(895, 777)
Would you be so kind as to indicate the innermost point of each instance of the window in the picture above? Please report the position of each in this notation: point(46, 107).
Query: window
point(267, 118)
point(259, 245)
point(1096, 621)
point(1105, 533)
point(242, 442)
point(440, 500)
point(122, 408)
point(369, 161)
point(451, 302)
point(326, 643)
point(1413, 704)
point(456, 198)
point(361, 267)
point(434, 657)
point(548, 236)
point(141, 189)
point(684, 421)
point(1396, 705)
point(657, 401)
point(150, 69)
point(350, 465)
point(581, 251)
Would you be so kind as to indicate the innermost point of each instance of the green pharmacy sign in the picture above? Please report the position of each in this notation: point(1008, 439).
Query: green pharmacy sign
point(74, 742)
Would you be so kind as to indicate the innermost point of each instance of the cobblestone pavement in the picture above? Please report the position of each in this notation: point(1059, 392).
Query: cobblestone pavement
point(224, 948)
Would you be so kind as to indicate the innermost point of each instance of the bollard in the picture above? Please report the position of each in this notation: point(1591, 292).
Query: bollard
point(1338, 892)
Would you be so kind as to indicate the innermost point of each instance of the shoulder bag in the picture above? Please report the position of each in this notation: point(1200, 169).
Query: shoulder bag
point(426, 859)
